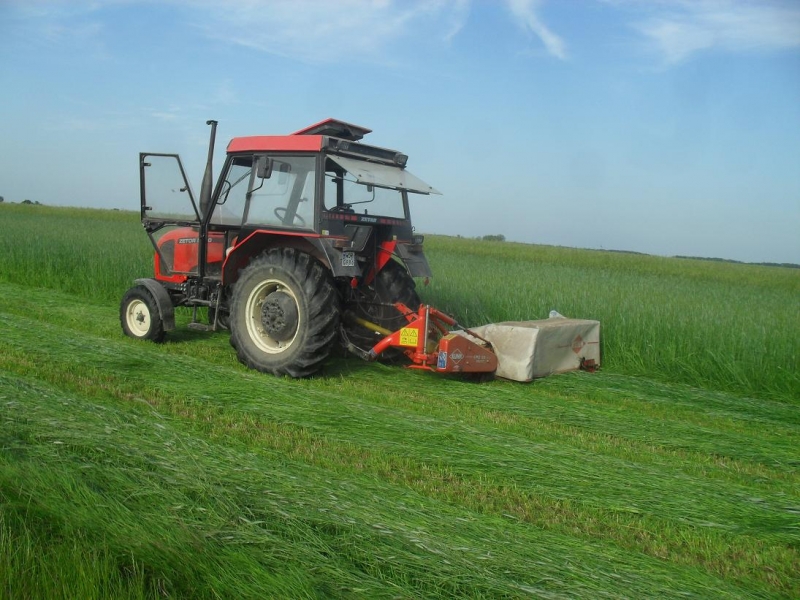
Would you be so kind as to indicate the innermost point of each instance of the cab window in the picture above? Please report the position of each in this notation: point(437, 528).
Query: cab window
point(285, 199)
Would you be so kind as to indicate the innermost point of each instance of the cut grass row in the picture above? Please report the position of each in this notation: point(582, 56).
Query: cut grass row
point(331, 520)
point(696, 480)
point(259, 524)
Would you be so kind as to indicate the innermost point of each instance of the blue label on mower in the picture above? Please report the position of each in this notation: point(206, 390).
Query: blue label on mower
point(442, 362)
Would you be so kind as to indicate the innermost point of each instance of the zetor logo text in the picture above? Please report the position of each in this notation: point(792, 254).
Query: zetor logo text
point(187, 240)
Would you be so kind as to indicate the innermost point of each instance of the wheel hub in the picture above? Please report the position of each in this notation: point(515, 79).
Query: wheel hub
point(137, 317)
point(279, 316)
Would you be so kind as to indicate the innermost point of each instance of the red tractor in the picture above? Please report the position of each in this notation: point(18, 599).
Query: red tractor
point(304, 242)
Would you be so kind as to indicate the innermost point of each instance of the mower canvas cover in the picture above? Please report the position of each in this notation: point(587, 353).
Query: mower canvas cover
point(528, 350)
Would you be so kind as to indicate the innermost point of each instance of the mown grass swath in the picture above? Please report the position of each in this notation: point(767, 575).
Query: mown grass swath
point(503, 459)
point(136, 470)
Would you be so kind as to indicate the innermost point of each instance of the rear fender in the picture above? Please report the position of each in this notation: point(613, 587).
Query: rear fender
point(414, 259)
point(258, 242)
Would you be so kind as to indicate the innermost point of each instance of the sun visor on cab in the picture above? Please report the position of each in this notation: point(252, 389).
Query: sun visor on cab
point(386, 176)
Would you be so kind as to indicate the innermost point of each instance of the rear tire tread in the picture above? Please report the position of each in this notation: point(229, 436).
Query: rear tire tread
point(392, 284)
point(319, 306)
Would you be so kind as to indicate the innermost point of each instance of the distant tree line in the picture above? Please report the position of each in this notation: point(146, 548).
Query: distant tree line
point(486, 238)
point(739, 262)
point(26, 201)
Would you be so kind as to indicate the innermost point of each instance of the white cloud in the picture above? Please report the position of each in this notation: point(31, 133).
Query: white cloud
point(225, 93)
point(457, 19)
point(679, 28)
point(525, 12)
point(60, 25)
point(323, 31)
point(316, 31)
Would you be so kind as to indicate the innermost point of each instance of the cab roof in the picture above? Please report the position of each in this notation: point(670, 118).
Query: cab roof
point(308, 139)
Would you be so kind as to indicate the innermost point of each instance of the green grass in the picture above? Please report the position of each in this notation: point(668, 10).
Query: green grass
point(717, 325)
point(133, 470)
point(93, 253)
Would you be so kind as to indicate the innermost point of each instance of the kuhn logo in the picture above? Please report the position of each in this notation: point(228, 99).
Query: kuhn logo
point(457, 356)
point(578, 344)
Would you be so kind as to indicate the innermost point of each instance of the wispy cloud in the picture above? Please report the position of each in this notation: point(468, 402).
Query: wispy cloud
point(315, 31)
point(60, 25)
point(679, 28)
point(457, 18)
point(526, 14)
point(324, 31)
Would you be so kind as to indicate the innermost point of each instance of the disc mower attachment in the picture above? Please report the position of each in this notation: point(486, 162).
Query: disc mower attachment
point(429, 344)
point(519, 351)
point(528, 350)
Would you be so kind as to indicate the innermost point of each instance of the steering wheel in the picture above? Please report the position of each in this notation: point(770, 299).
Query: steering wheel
point(280, 212)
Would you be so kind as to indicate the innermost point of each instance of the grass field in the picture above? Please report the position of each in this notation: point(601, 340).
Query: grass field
point(132, 470)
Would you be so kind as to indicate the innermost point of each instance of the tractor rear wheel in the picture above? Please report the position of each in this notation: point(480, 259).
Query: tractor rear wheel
point(284, 315)
point(375, 304)
point(139, 316)
point(394, 284)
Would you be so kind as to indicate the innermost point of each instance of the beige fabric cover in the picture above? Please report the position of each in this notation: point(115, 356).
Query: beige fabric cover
point(527, 350)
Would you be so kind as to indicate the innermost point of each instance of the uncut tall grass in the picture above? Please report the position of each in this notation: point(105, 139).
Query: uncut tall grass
point(725, 326)
point(717, 325)
point(92, 253)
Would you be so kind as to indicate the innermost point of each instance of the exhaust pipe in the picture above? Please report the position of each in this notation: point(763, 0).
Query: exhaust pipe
point(208, 181)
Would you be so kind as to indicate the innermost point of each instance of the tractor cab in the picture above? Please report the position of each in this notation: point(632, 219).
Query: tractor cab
point(318, 190)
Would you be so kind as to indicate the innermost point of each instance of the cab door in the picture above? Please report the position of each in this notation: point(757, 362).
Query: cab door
point(169, 215)
point(165, 191)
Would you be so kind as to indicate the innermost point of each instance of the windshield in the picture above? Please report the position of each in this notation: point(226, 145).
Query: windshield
point(284, 199)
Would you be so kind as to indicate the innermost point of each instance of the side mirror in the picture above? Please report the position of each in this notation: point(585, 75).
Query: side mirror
point(264, 167)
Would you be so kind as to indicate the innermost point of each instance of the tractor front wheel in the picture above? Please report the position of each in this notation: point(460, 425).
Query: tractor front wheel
point(285, 314)
point(139, 316)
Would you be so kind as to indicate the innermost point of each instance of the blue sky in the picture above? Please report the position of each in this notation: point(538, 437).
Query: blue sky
point(669, 127)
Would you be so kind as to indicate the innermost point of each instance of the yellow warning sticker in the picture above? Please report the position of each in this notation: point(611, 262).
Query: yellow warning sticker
point(409, 337)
